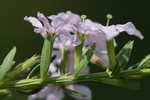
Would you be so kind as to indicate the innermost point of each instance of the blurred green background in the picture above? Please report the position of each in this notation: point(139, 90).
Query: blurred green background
point(15, 32)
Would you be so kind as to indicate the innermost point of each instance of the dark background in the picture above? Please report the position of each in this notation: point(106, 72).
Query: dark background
point(15, 32)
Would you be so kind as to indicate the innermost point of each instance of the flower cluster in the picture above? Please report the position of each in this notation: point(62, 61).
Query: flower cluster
point(71, 31)
point(68, 25)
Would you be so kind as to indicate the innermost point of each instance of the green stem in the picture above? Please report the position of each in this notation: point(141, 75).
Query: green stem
point(53, 80)
point(63, 79)
point(137, 72)
point(78, 54)
point(65, 64)
point(111, 53)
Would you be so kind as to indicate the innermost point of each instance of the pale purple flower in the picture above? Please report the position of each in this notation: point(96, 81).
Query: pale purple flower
point(53, 92)
point(89, 27)
point(49, 92)
point(67, 20)
point(63, 24)
point(44, 27)
point(99, 34)
point(41, 24)
point(56, 92)
point(96, 33)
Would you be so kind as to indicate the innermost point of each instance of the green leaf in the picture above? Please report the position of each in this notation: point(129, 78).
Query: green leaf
point(85, 60)
point(22, 67)
point(46, 56)
point(130, 84)
point(7, 64)
point(4, 93)
point(133, 66)
point(123, 57)
point(32, 71)
point(145, 63)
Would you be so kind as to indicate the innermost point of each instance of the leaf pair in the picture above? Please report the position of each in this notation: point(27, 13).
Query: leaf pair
point(123, 57)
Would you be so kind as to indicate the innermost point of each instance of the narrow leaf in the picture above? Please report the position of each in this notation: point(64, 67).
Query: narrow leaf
point(145, 63)
point(123, 56)
point(4, 93)
point(46, 56)
point(22, 67)
point(32, 71)
point(85, 60)
point(7, 64)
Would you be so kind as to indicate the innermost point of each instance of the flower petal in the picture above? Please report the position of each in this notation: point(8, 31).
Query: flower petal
point(67, 17)
point(83, 90)
point(114, 30)
point(88, 27)
point(48, 92)
point(65, 21)
point(110, 31)
point(45, 21)
point(56, 95)
point(34, 21)
point(130, 29)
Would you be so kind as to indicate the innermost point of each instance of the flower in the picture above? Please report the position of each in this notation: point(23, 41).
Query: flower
point(69, 21)
point(49, 92)
point(44, 27)
point(53, 92)
point(41, 24)
point(56, 92)
point(99, 34)
point(61, 25)
point(65, 23)
point(95, 32)
point(68, 26)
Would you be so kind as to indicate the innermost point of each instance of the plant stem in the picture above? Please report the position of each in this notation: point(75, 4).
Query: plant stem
point(111, 53)
point(63, 79)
